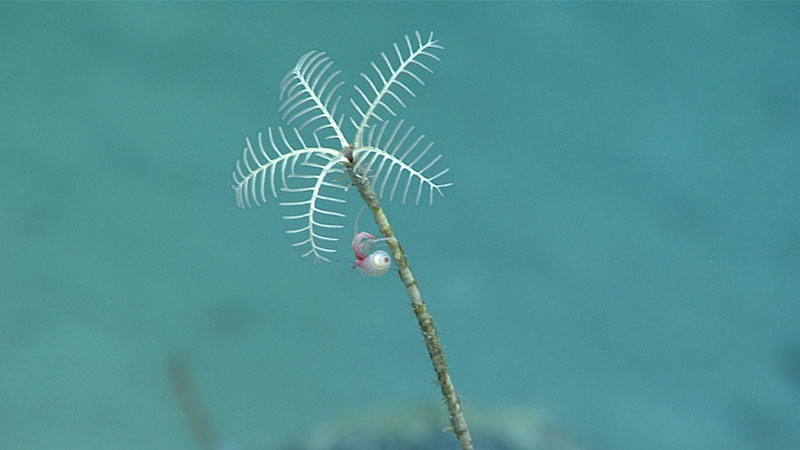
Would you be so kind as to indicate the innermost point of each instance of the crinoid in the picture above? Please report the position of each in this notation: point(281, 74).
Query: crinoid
point(381, 156)
point(311, 173)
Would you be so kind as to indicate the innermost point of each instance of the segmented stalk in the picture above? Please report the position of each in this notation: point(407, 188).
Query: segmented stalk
point(435, 351)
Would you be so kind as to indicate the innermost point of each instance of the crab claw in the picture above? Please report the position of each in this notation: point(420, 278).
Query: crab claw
point(360, 247)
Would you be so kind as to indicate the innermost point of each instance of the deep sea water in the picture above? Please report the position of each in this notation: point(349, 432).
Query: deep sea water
point(621, 247)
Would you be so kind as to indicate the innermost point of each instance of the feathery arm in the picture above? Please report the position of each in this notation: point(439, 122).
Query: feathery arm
point(309, 95)
point(390, 81)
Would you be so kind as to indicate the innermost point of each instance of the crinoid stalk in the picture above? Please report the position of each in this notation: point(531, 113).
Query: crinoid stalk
point(383, 159)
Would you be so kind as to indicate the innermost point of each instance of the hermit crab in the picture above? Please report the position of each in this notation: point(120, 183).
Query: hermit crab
point(372, 264)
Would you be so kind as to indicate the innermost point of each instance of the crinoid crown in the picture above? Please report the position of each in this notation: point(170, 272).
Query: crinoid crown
point(312, 177)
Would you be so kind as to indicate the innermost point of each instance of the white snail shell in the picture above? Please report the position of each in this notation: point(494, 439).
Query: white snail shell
point(376, 264)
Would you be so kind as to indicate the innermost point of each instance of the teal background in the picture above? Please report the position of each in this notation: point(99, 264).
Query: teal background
point(621, 247)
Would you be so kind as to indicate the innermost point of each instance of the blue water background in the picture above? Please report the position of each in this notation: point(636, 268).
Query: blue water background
point(621, 247)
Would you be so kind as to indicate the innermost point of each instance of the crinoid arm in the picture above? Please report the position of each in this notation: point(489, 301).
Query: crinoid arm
point(396, 159)
point(257, 169)
point(393, 79)
point(315, 194)
point(300, 172)
point(308, 96)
